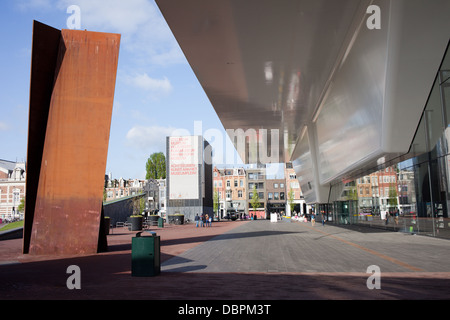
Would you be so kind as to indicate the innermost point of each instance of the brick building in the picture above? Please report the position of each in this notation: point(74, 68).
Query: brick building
point(119, 188)
point(293, 192)
point(12, 189)
point(276, 195)
point(230, 185)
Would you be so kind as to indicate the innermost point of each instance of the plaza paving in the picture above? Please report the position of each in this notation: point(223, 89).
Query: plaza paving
point(243, 260)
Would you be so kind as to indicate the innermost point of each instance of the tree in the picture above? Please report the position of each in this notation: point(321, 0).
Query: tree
point(21, 206)
point(216, 201)
point(291, 200)
point(156, 166)
point(392, 200)
point(137, 205)
point(255, 198)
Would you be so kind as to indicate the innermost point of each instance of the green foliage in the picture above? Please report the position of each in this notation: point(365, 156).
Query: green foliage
point(216, 200)
point(21, 206)
point(156, 166)
point(138, 205)
point(255, 198)
point(291, 200)
point(392, 200)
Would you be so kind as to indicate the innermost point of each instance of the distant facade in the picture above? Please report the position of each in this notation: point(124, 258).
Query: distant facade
point(293, 192)
point(12, 189)
point(120, 188)
point(276, 195)
point(256, 178)
point(235, 186)
point(162, 197)
point(230, 184)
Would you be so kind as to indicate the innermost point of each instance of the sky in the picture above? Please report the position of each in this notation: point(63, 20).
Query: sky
point(156, 93)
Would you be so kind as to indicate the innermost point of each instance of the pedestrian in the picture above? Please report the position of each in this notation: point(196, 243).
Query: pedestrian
point(203, 219)
point(323, 220)
point(197, 220)
point(207, 220)
point(313, 219)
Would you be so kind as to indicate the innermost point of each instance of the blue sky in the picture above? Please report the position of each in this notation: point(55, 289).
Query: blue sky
point(156, 93)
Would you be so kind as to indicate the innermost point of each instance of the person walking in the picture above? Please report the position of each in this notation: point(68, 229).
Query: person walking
point(203, 219)
point(313, 219)
point(323, 220)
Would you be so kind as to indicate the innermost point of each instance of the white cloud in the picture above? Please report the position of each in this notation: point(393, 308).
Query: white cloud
point(152, 138)
point(144, 31)
point(143, 81)
point(116, 15)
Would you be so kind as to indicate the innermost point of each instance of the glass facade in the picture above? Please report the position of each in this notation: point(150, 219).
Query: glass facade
point(411, 194)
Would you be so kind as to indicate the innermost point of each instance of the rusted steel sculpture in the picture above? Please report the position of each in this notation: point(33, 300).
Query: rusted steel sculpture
point(73, 75)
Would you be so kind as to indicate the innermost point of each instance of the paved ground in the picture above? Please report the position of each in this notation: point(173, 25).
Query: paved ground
point(256, 260)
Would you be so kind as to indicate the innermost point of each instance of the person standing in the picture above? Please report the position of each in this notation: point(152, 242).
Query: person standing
point(313, 219)
point(197, 220)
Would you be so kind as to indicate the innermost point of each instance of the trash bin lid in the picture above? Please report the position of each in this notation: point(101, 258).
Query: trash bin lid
point(152, 233)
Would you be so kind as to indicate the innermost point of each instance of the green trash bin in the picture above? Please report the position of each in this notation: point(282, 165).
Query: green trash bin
point(160, 222)
point(145, 255)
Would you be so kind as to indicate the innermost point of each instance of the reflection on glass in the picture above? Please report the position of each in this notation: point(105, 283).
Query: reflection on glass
point(411, 196)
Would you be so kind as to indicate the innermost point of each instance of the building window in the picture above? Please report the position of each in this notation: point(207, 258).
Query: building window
point(275, 185)
point(235, 183)
point(16, 196)
point(239, 193)
point(270, 196)
point(228, 183)
point(276, 196)
point(241, 183)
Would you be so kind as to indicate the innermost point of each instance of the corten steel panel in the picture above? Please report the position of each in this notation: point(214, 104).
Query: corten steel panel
point(43, 65)
point(70, 190)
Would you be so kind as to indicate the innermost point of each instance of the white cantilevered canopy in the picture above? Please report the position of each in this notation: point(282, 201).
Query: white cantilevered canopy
point(342, 96)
